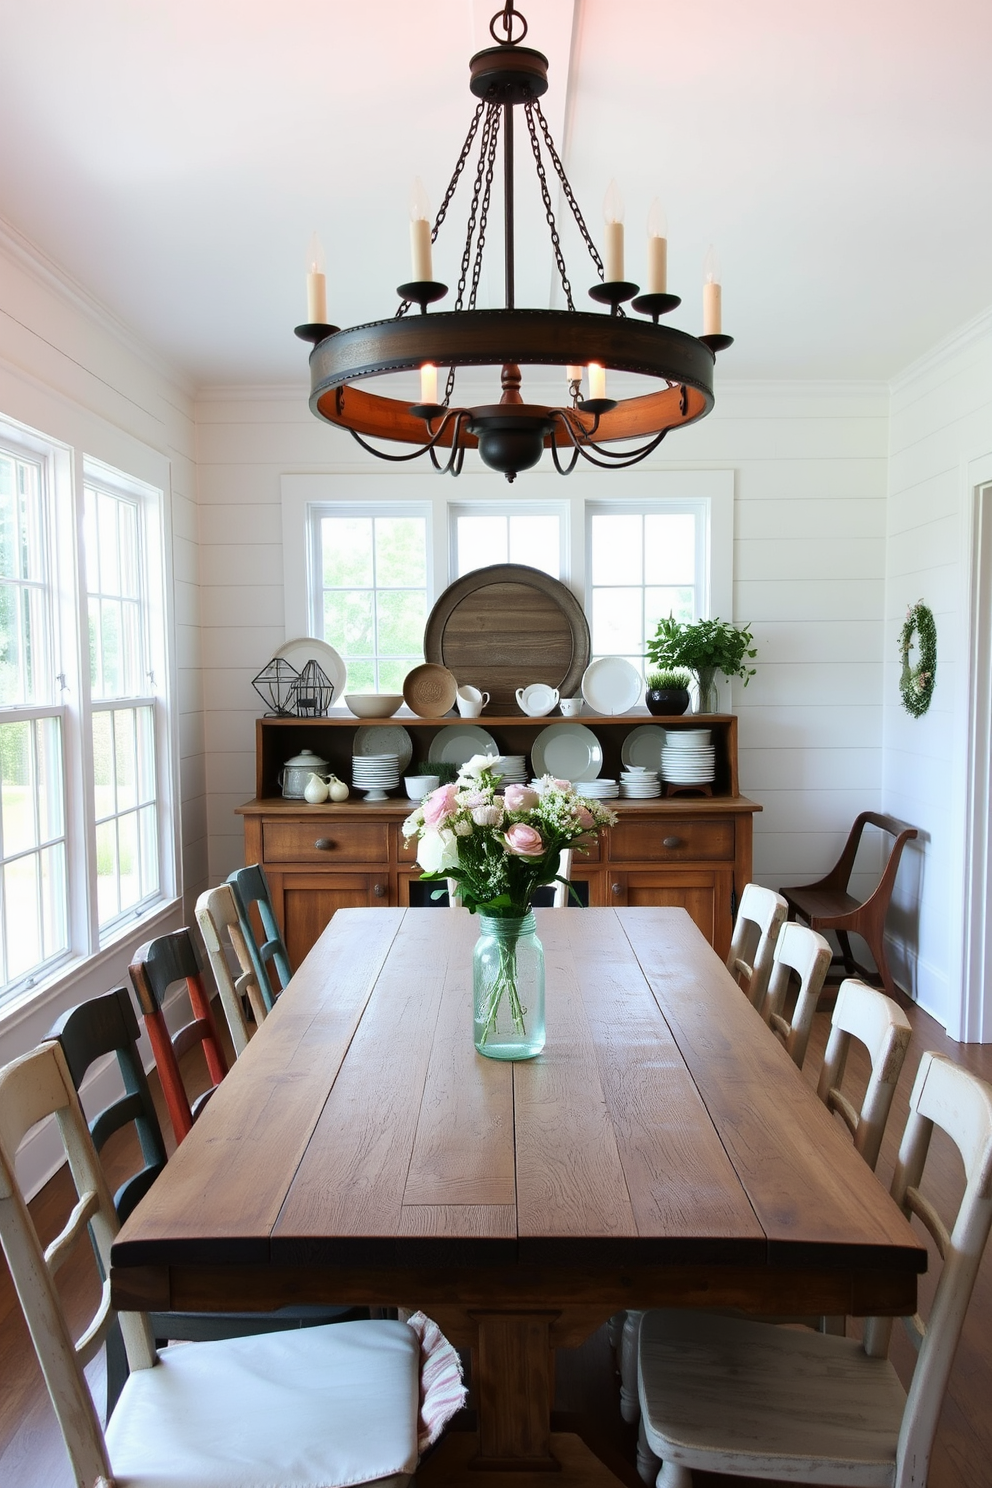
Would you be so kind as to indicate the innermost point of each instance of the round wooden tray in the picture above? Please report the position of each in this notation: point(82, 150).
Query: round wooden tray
point(506, 626)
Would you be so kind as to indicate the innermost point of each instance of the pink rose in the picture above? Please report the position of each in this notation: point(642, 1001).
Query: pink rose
point(520, 798)
point(564, 785)
point(524, 841)
point(584, 818)
point(439, 805)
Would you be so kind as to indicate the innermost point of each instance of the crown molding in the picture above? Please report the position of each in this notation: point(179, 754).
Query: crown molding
point(26, 255)
point(957, 341)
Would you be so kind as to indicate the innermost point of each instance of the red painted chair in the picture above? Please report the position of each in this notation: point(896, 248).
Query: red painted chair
point(156, 967)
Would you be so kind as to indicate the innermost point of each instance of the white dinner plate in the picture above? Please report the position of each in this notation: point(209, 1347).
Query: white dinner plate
point(384, 738)
point(457, 744)
point(308, 648)
point(569, 751)
point(643, 746)
point(611, 685)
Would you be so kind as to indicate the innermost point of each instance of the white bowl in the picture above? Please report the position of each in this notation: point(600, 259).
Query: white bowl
point(373, 704)
point(419, 786)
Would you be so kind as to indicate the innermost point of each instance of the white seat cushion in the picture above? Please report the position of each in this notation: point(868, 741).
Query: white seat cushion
point(751, 1398)
point(309, 1408)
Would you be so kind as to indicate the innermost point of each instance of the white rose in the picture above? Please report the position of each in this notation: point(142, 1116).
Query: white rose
point(472, 768)
point(463, 828)
point(437, 851)
point(487, 816)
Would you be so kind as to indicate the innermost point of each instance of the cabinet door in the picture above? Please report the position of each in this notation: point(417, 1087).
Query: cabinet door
point(704, 892)
point(310, 899)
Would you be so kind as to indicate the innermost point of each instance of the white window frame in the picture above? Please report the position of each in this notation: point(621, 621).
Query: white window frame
point(486, 508)
point(66, 471)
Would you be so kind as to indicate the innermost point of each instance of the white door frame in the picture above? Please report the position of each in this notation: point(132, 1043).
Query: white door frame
point(975, 798)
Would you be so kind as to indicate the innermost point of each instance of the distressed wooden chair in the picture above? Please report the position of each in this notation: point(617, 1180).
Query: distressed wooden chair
point(316, 1407)
point(730, 1396)
point(760, 915)
point(156, 967)
point(805, 954)
point(828, 904)
point(220, 925)
point(268, 949)
point(863, 1013)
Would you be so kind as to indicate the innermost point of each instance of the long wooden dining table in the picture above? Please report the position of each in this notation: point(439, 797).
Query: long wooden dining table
point(662, 1150)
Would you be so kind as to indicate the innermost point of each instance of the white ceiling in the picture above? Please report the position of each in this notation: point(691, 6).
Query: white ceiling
point(173, 156)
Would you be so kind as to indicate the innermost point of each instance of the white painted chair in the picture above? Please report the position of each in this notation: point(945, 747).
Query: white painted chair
point(560, 900)
point(747, 1399)
point(760, 916)
point(316, 1407)
point(220, 925)
point(864, 1013)
point(808, 954)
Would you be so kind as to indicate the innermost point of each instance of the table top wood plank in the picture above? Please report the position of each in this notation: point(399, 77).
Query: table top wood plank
point(683, 1189)
point(813, 1195)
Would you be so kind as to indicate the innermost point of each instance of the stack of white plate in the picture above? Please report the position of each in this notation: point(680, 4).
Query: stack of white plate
point(640, 784)
point(688, 757)
point(375, 774)
point(511, 768)
point(597, 790)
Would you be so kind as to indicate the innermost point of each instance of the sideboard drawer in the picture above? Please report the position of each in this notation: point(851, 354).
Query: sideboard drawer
point(672, 840)
point(324, 841)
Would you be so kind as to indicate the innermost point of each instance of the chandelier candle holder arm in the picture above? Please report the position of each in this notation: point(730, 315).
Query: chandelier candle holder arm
point(511, 434)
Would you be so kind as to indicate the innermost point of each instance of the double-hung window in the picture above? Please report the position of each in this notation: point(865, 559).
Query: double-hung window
point(84, 737)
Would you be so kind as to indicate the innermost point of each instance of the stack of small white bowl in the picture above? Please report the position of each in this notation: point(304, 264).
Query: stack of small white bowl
point(375, 774)
point(639, 783)
point(512, 769)
point(688, 757)
point(597, 790)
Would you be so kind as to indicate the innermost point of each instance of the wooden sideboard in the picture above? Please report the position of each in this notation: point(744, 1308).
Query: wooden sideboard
point(690, 851)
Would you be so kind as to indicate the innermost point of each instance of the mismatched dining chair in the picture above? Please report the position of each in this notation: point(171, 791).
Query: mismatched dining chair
point(223, 936)
point(315, 1407)
point(158, 965)
point(803, 953)
point(747, 1399)
point(268, 949)
point(760, 915)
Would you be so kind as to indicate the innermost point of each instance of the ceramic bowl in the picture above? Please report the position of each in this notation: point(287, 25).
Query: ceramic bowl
point(373, 704)
point(419, 786)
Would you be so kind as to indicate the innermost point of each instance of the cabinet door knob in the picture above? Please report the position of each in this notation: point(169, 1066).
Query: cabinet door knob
point(323, 844)
point(672, 842)
point(379, 890)
point(616, 889)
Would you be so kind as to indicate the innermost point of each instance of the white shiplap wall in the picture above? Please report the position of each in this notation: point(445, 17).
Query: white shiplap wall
point(810, 463)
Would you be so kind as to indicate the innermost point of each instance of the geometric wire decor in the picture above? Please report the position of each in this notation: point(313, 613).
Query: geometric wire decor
point(275, 685)
point(313, 692)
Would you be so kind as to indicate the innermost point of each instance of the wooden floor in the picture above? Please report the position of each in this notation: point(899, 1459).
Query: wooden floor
point(32, 1456)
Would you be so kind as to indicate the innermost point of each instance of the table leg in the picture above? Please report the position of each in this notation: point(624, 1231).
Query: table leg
point(513, 1382)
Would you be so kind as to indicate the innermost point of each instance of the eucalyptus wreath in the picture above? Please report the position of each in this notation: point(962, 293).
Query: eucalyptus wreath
point(917, 682)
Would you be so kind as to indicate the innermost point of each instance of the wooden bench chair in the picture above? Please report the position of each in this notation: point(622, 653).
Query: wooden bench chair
point(829, 905)
point(747, 1399)
point(760, 915)
point(223, 934)
point(268, 949)
point(315, 1407)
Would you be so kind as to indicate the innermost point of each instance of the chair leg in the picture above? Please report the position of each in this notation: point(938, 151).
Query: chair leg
point(647, 1463)
point(117, 1366)
point(850, 965)
point(614, 1329)
point(630, 1407)
point(672, 1475)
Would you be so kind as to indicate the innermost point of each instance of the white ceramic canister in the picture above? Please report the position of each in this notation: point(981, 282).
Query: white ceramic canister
point(295, 772)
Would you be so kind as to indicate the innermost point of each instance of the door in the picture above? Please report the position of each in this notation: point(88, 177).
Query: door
point(705, 893)
point(310, 899)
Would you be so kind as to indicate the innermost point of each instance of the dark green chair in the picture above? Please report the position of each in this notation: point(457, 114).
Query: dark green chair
point(251, 892)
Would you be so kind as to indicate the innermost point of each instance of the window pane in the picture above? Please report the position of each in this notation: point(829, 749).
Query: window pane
point(146, 754)
point(617, 549)
point(25, 669)
point(106, 872)
point(660, 603)
point(481, 540)
point(103, 765)
point(110, 578)
point(129, 859)
point(348, 622)
point(54, 898)
point(50, 782)
point(346, 549)
point(400, 552)
point(391, 674)
point(361, 677)
point(617, 626)
point(22, 930)
point(148, 836)
point(110, 648)
point(124, 759)
point(536, 540)
point(18, 804)
point(670, 548)
point(401, 614)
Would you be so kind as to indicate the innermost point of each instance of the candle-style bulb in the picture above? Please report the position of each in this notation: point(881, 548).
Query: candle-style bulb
point(711, 266)
point(657, 221)
point(712, 295)
point(316, 282)
point(657, 249)
point(420, 233)
point(613, 243)
point(428, 383)
point(597, 381)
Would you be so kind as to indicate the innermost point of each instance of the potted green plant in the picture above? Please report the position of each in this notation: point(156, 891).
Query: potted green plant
point(705, 647)
point(668, 691)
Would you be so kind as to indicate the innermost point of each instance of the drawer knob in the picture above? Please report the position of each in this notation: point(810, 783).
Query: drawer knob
point(616, 889)
point(379, 890)
point(323, 844)
point(672, 842)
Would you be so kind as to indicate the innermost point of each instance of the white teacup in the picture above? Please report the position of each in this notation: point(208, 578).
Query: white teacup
point(471, 701)
point(419, 786)
point(570, 707)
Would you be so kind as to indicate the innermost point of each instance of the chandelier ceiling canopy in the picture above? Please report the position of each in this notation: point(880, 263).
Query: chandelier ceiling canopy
point(511, 434)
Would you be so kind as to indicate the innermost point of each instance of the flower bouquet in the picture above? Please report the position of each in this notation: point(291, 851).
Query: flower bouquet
point(496, 850)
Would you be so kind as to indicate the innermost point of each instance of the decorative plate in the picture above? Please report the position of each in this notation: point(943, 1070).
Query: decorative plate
point(643, 746)
point(308, 648)
point(507, 626)
point(430, 690)
point(611, 685)
point(455, 745)
point(569, 751)
point(386, 738)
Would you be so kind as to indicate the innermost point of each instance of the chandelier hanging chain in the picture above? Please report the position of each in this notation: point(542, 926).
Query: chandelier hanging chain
point(505, 18)
point(442, 210)
point(548, 209)
point(568, 193)
point(480, 243)
point(483, 181)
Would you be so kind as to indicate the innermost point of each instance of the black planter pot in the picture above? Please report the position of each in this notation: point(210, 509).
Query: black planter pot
point(667, 700)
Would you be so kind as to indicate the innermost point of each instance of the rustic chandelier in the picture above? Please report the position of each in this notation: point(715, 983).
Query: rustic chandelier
point(512, 434)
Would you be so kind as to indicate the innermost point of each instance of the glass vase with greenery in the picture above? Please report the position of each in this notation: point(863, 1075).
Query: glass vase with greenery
point(705, 647)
